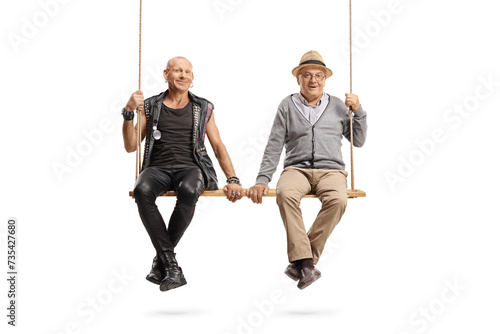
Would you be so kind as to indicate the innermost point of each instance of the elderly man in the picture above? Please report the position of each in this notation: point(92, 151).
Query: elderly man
point(310, 125)
point(174, 124)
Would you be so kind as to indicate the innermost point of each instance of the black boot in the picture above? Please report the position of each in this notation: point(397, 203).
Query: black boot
point(174, 277)
point(157, 273)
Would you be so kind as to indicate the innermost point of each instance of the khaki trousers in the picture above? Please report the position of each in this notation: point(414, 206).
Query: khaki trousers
point(331, 188)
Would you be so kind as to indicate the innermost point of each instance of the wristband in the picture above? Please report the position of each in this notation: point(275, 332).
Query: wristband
point(233, 179)
point(127, 115)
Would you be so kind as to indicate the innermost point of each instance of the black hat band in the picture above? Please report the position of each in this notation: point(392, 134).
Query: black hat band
point(313, 62)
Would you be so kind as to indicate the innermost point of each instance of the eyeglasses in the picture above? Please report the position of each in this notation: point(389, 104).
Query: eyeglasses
point(308, 76)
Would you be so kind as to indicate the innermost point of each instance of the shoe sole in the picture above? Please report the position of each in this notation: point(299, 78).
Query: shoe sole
point(309, 282)
point(169, 285)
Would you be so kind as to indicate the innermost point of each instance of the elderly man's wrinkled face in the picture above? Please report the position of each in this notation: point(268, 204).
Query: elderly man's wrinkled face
point(312, 81)
point(179, 74)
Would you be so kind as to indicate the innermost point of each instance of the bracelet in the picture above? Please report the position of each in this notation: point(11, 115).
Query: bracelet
point(233, 179)
point(127, 115)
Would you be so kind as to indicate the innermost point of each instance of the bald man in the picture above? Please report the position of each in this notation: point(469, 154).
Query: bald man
point(174, 124)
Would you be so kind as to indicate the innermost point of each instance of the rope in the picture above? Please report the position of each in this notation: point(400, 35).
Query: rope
point(350, 84)
point(140, 108)
point(140, 42)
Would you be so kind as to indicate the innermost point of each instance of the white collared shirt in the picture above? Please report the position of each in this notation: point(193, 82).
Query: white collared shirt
point(311, 113)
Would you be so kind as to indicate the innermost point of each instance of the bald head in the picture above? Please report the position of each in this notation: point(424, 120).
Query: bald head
point(180, 61)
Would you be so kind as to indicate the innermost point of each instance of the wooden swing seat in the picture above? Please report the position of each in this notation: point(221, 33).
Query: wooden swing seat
point(272, 193)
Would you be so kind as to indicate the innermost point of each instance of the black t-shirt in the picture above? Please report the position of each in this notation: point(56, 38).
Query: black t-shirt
point(175, 145)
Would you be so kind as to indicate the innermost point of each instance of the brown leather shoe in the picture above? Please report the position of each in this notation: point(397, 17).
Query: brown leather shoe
point(307, 277)
point(293, 271)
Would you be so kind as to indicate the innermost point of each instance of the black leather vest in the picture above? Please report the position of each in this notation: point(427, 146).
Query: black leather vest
point(202, 111)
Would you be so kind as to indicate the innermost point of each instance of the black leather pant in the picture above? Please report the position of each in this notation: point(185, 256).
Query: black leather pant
point(153, 181)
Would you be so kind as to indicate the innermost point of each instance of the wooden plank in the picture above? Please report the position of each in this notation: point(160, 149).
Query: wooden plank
point(272, 193)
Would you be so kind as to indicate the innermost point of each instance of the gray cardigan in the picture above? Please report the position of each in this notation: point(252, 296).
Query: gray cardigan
point(310, 145)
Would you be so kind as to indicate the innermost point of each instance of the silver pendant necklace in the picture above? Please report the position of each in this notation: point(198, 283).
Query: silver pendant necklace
point(156, 133)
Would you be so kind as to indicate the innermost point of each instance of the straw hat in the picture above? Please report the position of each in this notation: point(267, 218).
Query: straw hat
point(312, 58)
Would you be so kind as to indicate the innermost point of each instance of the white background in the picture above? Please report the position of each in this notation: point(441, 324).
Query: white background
point(389, 261)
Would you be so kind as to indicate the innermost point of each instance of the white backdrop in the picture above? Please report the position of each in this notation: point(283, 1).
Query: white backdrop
point(419, 254)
